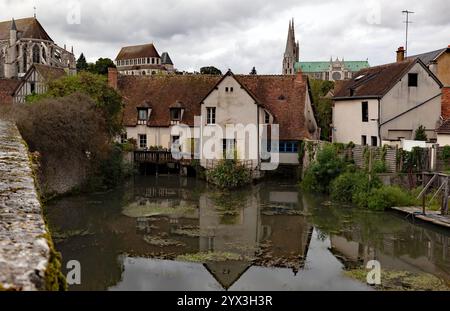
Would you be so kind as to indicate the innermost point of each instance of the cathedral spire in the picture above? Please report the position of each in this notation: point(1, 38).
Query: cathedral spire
point(13, 25)
point(291, 54)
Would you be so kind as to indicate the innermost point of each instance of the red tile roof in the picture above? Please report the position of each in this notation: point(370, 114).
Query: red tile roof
point(137, 51)
point(283, 96)
point(28, 28)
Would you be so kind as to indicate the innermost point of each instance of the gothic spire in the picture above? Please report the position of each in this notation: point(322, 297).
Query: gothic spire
point(290, 43)
point(13, 25)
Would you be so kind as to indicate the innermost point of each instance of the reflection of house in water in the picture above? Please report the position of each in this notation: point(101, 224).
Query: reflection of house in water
point(413, 249)
point(240, 228)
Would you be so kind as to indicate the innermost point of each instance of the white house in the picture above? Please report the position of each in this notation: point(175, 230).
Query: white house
point(388, 103)
point(155, 107)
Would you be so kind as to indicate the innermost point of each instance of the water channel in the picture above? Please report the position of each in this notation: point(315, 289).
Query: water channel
point(172, 233)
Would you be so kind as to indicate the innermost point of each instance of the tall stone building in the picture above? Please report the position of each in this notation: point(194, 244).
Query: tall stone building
point(292, 52)
point(332, 70)
point(25, 42)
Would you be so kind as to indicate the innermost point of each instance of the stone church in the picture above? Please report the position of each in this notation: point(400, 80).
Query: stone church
point(332, 70)
point(25, 42)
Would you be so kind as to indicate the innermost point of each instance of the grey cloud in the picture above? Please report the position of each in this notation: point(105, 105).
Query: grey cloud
point(241, 34)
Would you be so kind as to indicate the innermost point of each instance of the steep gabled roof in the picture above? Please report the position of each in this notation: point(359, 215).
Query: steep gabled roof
point(428, 57)
point(28, 28)
point(49, 74)
point(165, 59)
point(375, 82)
point(137, 51)
point(283, 96)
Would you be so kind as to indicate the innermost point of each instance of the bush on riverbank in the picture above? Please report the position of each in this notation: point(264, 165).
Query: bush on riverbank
point(324, 170)
point(229, 174)
point(332, 174)
point(72, 141)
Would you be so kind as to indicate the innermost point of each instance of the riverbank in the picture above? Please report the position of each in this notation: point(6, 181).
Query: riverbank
point(28, 260)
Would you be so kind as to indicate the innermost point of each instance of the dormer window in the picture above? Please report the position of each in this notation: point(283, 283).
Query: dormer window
point(143, 114)
point(175, 114)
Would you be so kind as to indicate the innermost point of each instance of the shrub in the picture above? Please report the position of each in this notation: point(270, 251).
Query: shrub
point(343, 187)
point(388, 196)
point(229, 174)
point(354, 187)
point(322, 172)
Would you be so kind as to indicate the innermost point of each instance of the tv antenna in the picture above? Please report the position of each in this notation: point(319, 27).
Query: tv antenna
point(407, 22)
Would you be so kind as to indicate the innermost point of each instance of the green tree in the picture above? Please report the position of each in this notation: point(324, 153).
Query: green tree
point(421, 134)
point(101, 66)
point(106, 99)
point(323, 105)
point(210, 70)
point(82, 63)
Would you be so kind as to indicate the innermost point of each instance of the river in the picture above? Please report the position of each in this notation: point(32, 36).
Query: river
point(172, 233)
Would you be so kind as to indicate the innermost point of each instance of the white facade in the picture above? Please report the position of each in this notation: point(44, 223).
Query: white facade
point(392, 117)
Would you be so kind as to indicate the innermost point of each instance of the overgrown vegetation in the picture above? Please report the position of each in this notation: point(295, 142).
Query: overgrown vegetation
point(72, 129)
point(229, 174)
point(333, 173)
point(323, 105)
point(107, 101)
point(324, 170)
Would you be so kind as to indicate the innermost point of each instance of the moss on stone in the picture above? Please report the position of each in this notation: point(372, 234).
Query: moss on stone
point(54, 279)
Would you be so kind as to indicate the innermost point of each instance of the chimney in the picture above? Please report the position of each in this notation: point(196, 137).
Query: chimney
point(400, 54)
point(445, 102)
point(112, 77)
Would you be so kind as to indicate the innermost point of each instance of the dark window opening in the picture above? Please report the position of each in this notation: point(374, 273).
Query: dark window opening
point(288, 147)
point(123, 138)
point(364, 140)
point(266, 118)
point(175, 114)
point(226, 89)
point(374, 141)
point(365, 111)
point(32, 87)
point(413, 80)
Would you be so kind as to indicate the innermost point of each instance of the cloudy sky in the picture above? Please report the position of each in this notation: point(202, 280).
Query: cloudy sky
point(240, 34)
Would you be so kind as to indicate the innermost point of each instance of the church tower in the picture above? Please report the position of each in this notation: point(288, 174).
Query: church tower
point(291, 54)
point(11, 61)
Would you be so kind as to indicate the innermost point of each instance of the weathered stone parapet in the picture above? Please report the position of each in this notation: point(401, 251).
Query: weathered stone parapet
point(24, 249)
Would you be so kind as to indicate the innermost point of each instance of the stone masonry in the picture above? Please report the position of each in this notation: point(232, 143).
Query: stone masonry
point(24, 250)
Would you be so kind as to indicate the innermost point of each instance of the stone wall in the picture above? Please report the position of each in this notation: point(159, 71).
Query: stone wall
point(24, 250)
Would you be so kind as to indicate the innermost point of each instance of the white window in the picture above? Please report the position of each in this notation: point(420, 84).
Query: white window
point(142, 141)
point(211, 115)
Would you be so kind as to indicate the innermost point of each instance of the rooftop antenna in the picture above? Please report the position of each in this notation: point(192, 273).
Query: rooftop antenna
point(407, 22)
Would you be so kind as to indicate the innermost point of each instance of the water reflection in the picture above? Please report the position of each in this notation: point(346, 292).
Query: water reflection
point(173, 233)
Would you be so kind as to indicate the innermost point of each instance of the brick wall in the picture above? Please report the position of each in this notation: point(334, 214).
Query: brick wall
point(446, 102)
